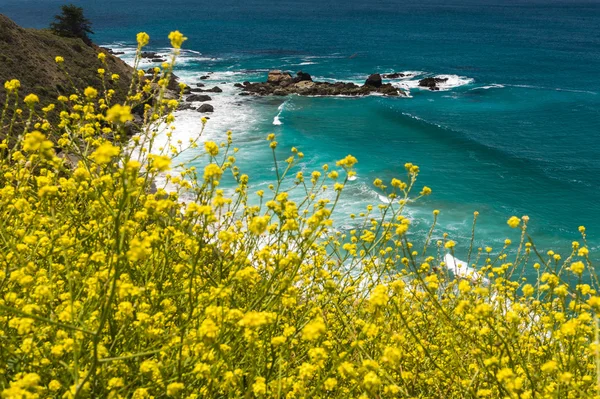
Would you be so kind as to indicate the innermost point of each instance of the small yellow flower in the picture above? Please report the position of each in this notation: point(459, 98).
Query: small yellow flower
point(513, 222)
point(143, 39)
point(102, 57)
point(177, 39)
point(59, 60)
point(119, 114)
point(31, 100)
point(12, 85)
point(90, 92)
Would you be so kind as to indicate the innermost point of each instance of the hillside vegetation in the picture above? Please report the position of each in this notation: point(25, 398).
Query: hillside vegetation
point(28, 55)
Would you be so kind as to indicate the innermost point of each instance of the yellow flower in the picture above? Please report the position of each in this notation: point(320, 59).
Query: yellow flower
point(12, 85)
point(31, 100)
point(105, 153)
point(347, 162)
point(314, 329)
point(102, 57)
point(449, 244)
point(59, 60)
point(259, 387)
point(90, 92)
point(426, 191)
point(119, 114)
point(36, 141)
point(513, 222)
point(577, 268)
point(174, 388)
point(161, 162)
point(212, 148)
point(177, 39)
point(549, 366)
point(143, 39)
point(258, 225)
point(212, 172)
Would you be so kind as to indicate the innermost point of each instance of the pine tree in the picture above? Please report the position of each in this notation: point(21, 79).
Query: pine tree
point(72, 23)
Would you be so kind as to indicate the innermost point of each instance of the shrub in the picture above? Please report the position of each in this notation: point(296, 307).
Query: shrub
point(72, 23)
point(109, 288)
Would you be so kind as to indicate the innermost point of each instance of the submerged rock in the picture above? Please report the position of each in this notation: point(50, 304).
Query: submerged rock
point(432, 83)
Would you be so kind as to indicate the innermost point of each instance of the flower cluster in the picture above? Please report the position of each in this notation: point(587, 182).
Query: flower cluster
point(114, 287)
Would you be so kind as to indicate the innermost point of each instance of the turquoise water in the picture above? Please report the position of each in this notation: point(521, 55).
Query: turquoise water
point(517, 133)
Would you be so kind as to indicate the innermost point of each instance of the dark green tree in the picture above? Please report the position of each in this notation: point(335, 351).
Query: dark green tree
point(72, 23)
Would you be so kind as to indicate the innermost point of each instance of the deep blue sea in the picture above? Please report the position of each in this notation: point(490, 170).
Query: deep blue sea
point(516, 131)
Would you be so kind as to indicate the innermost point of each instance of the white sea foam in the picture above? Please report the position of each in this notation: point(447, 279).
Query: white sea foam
point(277, 120)
point(492, 86)
point(453, 81)
point(352, 178)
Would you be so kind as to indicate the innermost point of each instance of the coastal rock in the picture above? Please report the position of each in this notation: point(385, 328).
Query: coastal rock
point(395, 75)
point(200, 84)
point(158, 60)
point(215, 89)
point(302, 76)
point(374, 80)
point(198, 97)
point(432, 83)
point(204, 77)
point(276, 77)
point(184, 107)
point(239, 85)
point(305, 84)
point(280, 84)
point(149, 54)
point(206, 108)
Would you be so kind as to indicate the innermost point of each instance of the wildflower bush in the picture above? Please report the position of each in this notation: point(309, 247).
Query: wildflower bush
point(110, 288)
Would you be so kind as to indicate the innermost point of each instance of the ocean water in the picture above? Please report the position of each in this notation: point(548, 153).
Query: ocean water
point(516, 131)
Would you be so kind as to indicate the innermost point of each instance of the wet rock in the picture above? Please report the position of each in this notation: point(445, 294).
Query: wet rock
point(198, 97)
point(374, 80)
point(206, 108)
point(432, 83)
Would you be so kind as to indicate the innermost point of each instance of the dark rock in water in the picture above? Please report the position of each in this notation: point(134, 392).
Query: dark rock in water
point(432, 83)
point(238, 85)
point(246, 83)
point(302, 76)
point(196, 90)
point(388, 90)
point(200, 84)
point(206, 108)
point(198, 97)
point(215, 89)
point(158, 60)
point(244, 93)
point(184, 107)
point(394, 75)
point(223, 83)
point(149, 54)
point(204, 77)
point(374, 80)
point(187, 90)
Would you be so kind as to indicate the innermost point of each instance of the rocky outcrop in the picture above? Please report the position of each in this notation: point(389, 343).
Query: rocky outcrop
point(206, 108)
point(281, 84)
point(432, 83)
point(198, 97)
point(277, 77)
point(395, 75)
point(374, 80)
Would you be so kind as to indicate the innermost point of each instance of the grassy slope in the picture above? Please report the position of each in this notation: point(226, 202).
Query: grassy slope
point(28, 55)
